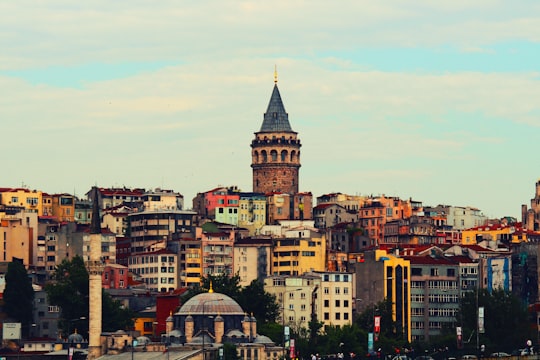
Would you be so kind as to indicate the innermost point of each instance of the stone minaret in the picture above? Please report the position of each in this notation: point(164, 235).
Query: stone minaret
point(275, 151)
point(94, 266)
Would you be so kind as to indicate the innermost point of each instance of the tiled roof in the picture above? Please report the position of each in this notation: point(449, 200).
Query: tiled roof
point(276, 118)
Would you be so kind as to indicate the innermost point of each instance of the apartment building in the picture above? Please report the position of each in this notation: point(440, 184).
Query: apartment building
point(31, 200)
point(298, 247)
point(63, 207)
point(327, 215)
point(149, 229)
point(376, 211)
point(115, 276)
point(252, 259)
point(18, 233)
point(190, 262)
point(158, 269)
point(252, 212)
point(435, 295)
point(160, 199)
point(380, 276)
point(110, 197)
point(335, 298)
point(217, 252)
point(297, 297)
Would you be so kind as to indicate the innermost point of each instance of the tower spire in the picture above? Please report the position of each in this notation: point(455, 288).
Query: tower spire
point(275, 74)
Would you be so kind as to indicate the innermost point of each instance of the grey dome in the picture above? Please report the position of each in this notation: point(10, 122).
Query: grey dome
point(210, 303)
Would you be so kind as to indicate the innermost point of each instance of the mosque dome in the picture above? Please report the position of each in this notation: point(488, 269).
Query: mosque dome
point(75, 338)
point(210, 303)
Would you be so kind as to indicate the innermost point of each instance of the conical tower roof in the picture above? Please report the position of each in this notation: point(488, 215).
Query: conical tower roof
point(276, 118)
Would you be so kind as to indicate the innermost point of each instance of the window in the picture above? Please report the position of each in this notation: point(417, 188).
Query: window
point(337, 290)
point(326, 316)
point(327, 290)
point(338, 303)
point(54, 309)
point(326, 303)
point(338, 316)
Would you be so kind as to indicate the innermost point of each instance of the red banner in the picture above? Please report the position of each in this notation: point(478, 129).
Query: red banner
point(377, 324)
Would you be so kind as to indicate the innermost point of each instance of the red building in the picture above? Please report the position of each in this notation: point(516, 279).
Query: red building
point(167, 304)
point(115, 276)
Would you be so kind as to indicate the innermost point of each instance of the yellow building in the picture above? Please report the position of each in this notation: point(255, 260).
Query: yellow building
point(190, 269)
point(383, 276)
point(496, 232)
point(63, 207)
point(298, 250)
point(252, 212)
point(29, 199)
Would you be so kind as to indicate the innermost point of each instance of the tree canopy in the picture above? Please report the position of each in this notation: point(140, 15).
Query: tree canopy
point(18, 294)
point(69, 290)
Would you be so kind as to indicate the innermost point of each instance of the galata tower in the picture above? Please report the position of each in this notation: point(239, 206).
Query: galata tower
point(275, 151)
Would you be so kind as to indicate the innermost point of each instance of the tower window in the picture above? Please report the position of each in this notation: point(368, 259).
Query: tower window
point(273, 153)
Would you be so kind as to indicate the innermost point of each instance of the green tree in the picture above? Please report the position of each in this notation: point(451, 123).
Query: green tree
point(19, 294)
point(69, 290)
point(505, 320)
point(229, 352)
point(258, 302)
point(115, 316)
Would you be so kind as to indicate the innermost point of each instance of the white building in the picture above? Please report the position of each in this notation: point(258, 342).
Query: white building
point(158, 269)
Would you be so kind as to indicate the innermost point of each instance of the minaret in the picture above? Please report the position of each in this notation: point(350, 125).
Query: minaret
point(275, 151)
point(94, 266)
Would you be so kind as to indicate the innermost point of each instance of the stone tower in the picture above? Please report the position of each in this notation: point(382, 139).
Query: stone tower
point(275, 151)
point(94, 266)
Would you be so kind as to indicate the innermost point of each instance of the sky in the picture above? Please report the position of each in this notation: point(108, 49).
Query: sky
point(437, 101)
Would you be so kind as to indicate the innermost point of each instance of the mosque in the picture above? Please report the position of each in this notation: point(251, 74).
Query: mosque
point(211, 319)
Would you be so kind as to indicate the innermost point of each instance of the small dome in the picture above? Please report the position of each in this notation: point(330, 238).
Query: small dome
point(261, 339)
point(75, 338)
point(235, 333)
point(176, 333)
point(143, 340)
point(210, 303)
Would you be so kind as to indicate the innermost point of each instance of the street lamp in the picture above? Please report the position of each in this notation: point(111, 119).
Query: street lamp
point(204, 324)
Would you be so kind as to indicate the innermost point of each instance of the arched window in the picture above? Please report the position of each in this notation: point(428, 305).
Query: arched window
point(264, 156)
point(256, 157)
point(284, 155)
point(293, 155)
point(273, 154)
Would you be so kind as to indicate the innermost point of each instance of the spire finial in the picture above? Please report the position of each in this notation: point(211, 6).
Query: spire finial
point(275, 74)
point(211, 290)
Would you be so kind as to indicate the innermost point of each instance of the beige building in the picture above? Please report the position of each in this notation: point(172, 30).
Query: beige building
point(18, 232)
point(159, 199)
point(108, 246)
point(335, 298)
point(252, 259)
point(296, 297)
